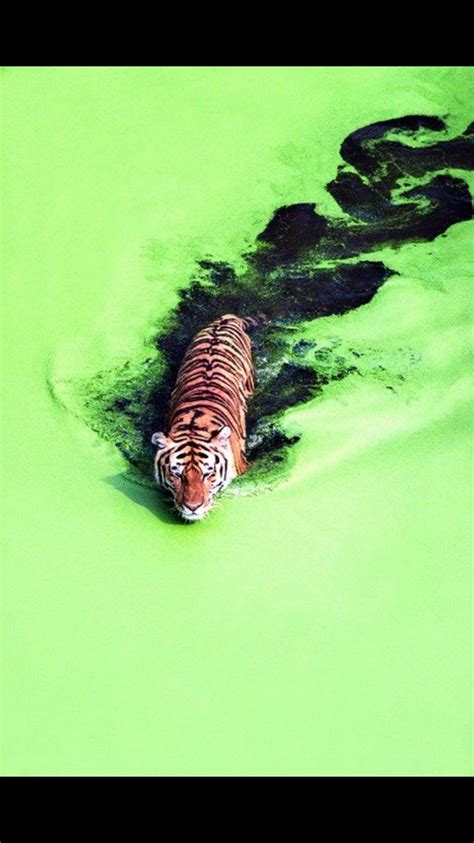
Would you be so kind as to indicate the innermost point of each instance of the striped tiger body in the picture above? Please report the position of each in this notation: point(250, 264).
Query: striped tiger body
point(204, 448)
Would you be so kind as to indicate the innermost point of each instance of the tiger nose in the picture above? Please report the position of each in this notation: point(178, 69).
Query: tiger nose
point(193, 508)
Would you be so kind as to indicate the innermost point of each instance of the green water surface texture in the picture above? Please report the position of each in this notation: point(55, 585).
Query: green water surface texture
point(321, 628)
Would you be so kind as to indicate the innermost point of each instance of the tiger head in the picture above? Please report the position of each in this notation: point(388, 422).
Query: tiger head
point(193, 470)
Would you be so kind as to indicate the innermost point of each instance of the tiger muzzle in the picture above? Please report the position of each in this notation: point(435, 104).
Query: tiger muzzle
point(193, 492)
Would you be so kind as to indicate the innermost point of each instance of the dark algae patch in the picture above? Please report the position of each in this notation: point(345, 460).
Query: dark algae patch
point(393, 188)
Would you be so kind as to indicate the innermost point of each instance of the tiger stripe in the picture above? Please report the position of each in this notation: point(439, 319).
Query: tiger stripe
point(204, 447)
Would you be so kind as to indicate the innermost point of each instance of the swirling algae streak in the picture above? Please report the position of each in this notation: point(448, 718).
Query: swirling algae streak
point(304, 266)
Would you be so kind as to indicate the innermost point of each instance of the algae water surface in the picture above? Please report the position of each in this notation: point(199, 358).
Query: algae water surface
point(316, 623)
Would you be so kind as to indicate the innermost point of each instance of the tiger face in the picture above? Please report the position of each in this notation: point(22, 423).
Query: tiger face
point(194, 471)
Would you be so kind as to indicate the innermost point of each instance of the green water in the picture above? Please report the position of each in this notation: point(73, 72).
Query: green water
point(318, 628)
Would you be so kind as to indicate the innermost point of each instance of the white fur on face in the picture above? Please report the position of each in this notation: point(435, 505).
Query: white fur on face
point(196, 515)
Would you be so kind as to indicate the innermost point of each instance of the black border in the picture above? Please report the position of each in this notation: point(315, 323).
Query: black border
point(149, 808)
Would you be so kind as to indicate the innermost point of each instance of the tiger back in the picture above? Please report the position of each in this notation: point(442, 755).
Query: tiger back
point(204, 447)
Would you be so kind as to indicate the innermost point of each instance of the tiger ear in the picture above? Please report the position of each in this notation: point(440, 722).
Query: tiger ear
point(224, 435)
point(160, 440)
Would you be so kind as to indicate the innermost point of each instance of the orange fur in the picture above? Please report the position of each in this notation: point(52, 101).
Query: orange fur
point(216, 378)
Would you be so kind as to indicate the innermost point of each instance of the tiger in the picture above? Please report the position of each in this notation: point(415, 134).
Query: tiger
point(203, 449)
